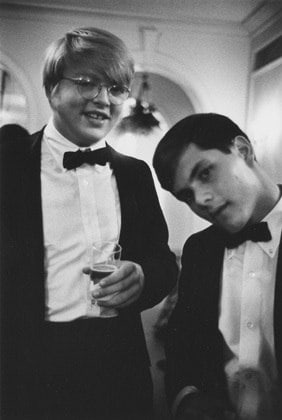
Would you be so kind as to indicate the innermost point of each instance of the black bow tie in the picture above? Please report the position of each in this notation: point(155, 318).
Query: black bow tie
point(73, 160)
point(258, 232)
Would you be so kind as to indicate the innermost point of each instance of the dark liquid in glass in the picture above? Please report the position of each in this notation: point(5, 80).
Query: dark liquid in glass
point(100, 271)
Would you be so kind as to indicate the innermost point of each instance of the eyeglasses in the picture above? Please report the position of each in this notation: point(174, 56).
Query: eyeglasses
point(90, 89)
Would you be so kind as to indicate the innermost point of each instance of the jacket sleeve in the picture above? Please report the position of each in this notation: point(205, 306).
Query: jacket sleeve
point(193, 344)
point(151, 248)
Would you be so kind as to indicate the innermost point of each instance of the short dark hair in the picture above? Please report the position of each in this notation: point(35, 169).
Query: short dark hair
point(207, 131)
point(106, 52)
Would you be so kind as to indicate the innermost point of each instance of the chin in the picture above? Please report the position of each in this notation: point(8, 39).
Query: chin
point(93, 136)
point(230, 227)
point(235, 227)
point(87, 143)
point(89, 140)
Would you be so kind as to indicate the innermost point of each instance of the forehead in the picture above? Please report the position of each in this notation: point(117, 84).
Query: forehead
point(90, 69)
point(191, 158)
point(84, 69)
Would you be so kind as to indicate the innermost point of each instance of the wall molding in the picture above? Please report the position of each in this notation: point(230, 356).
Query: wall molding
point(179, 73)
point(26, 85)
point(59, 13)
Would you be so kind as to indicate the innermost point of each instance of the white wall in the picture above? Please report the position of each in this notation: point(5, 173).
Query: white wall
point(265, 107)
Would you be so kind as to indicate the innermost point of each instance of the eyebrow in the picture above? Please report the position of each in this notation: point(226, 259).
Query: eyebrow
point(196, 168)
point(194, 172)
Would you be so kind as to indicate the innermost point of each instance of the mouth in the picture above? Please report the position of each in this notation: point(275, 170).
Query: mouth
point(218, 211)
point(97, 115)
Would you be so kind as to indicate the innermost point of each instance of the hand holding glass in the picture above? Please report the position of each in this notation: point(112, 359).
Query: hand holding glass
point(105, 260)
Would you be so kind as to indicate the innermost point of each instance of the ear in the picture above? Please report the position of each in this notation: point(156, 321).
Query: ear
point(52, 96)
point(244, 148)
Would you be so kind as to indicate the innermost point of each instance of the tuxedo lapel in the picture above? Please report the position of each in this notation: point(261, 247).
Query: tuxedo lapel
point(278, 312)
point(210, 267)
point(33, 226)
point(200, 277)
point(127, 195)
point(34, 186)
point(278, 309)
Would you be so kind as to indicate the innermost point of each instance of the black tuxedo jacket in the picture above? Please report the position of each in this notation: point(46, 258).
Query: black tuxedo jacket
point(194, 346)
point(143, 239)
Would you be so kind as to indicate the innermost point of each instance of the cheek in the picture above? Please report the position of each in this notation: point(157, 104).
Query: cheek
point(235, 183)
point(64, 101)
point(116, 111)
point(241, 195)
point(231, 187)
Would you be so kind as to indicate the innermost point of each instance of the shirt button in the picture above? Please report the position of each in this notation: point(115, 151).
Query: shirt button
point(85, 182)
point(270, 250)
point(252, 274)
point(250, 325)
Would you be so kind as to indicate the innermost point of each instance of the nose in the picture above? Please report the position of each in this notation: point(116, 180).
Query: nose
point(203, 197)
point(103, 96)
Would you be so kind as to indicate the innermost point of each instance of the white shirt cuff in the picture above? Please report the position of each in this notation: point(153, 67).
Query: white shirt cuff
point(179, 397)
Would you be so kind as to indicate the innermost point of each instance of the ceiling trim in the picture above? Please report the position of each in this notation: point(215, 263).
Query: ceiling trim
point(263, 18)
point(44, 12)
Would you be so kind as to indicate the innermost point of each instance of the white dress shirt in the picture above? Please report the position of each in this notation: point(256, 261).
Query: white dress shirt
point(246, 322)
point(79, 206)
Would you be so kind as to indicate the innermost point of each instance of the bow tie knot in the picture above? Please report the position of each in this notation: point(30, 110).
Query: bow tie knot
point(73, 160)
point(258, 232)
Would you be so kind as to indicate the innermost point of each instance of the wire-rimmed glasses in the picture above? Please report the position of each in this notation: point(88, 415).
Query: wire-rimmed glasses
point(89, 89)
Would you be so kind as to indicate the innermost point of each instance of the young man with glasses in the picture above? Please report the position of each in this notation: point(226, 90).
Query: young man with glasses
point(62, 189)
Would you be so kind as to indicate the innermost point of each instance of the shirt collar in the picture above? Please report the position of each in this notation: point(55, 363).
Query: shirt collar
point(274, 220)
point(58, 144)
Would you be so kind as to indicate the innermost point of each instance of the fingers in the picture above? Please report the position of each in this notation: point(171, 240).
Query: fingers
point(126, 285)
point(125, 270)
point(200, 406)
point(122, 299)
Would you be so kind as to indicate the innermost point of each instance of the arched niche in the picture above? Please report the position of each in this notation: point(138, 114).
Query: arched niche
point(168, 97)
point(16, 100)
point(178, 73)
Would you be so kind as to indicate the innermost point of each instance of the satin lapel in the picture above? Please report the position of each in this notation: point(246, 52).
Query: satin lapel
point(278, 312)
point(210, 272)
point(127, 194)
point(34, 187)
point(33, 227)
point(278, 309)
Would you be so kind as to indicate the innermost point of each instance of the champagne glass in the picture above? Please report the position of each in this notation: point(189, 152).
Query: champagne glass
point(105, 260)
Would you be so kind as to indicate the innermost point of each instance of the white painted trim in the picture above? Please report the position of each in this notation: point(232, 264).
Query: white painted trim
point(58, 14)
point(268, 67)
point(263, 19)
point(26, 85)
point(180, 74)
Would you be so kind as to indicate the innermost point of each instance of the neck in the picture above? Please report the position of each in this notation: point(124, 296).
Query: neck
point(268, 198)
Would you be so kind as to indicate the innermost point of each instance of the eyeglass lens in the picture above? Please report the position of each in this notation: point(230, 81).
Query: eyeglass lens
point(117, 94)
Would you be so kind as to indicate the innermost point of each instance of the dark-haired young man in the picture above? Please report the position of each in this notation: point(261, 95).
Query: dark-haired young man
point(60, 357)
point(224, 346)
